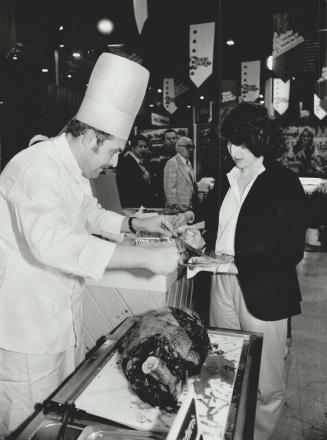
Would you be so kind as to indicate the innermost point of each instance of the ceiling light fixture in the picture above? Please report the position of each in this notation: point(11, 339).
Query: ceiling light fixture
point(105, 26)
point(44, 70)
point(230, 42)
point(69, 75)
point(269, 62)
point(61, 28)
point(202, 97)
point(61, 45)
point(15, 57)
point(159, 90)
point(76, 54)
point(116, 45)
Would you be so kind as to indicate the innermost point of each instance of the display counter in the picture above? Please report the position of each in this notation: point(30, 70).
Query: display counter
point(93, 404)
point(123, 293)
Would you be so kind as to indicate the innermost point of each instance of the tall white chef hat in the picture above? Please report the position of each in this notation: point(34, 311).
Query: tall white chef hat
point(114, 95)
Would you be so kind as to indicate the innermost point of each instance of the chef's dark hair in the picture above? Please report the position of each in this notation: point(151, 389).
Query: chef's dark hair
point(76, 128)
point(248, 124)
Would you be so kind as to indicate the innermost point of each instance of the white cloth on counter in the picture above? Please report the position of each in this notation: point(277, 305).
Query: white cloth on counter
point(48, 214)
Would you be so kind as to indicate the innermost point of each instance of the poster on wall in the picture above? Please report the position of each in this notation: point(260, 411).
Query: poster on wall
point(305, 150)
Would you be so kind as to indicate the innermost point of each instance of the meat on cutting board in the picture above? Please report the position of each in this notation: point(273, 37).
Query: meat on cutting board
point(161, 351)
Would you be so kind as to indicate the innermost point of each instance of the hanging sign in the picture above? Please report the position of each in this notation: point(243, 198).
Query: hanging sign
point(162, 121)
point(269, 97)
point(317, 109)
point(169, 95)
point(250, 80)
point(141, 13)
point(201, 51)
point(288, 47)
point(321, 89)
point(281, 95)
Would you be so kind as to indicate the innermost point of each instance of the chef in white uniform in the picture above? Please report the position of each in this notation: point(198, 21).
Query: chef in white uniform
point(47, 247)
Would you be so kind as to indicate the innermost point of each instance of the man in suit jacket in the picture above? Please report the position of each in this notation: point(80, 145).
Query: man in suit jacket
point(179, 179)
point(133, 179)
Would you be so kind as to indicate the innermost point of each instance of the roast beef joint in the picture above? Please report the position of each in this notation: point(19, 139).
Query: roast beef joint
point(162, 350)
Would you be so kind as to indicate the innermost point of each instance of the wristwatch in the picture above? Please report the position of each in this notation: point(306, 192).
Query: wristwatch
point(130, 225)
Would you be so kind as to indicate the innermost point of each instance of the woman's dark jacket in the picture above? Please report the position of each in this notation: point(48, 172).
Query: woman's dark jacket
point(269, 240)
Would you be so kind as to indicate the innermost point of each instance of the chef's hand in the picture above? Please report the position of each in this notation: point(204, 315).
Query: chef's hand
point(163, 259)
point(193, 237)
point(154, 224)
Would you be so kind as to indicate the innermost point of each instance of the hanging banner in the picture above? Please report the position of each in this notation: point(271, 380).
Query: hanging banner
point(281, 95)
point(250, 80)
point(201, 51)
point(229, 93)
point(269, 97)
point(8, 35)
point(169, 95)
point(317, 109)
point(141, 13)
point(321, 89)
point(288, 47)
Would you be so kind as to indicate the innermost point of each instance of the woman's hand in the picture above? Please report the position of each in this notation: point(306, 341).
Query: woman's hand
point(183, 218)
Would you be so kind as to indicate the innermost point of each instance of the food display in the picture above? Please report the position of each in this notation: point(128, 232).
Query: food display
point(164, 348)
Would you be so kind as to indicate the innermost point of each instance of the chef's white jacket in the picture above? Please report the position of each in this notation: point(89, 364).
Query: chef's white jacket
point(47, 216)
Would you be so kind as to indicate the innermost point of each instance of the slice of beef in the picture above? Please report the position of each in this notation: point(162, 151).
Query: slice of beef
point(161, 351)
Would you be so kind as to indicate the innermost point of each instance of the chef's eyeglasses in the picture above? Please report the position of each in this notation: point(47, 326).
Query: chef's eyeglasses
point(188, 147)
point(230, 144)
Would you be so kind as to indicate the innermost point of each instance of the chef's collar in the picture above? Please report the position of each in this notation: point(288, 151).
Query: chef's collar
point(67, 158)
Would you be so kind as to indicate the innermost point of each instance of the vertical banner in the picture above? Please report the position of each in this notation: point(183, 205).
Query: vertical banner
point(288, 47)
point(141, 13)
point(321, 87)
point(269, 97)
point(281, 95)
point(169, 95)
point(201, 51)
point(317, 109)
point(8, 35)
point(250, 80)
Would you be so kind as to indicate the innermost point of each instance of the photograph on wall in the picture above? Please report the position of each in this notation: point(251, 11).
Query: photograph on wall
point(305, 150)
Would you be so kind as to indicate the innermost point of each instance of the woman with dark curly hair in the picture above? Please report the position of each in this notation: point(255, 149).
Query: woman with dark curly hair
point(258, 208)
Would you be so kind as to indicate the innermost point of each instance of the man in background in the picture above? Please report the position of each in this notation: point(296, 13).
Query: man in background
point(179, 179)
point(158, 162)
point(168, 148)
point(133, 179)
